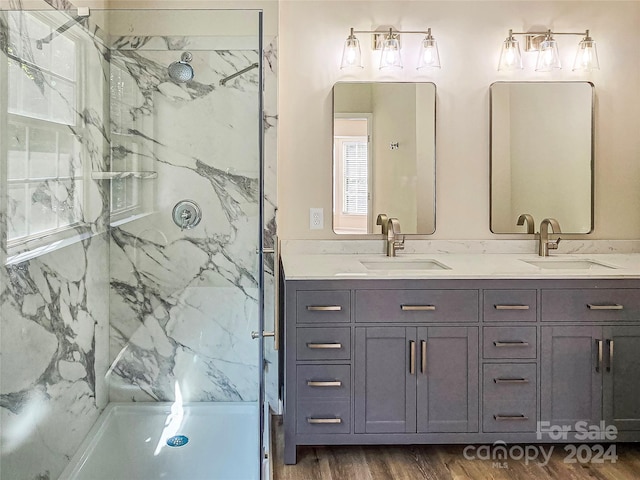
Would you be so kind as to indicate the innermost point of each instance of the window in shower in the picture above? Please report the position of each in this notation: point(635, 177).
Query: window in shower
point(45, 177)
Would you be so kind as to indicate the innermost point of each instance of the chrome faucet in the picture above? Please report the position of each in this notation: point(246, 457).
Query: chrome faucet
point(531, 224)
point(395, 240)
point(384, 221)
point(545, 243)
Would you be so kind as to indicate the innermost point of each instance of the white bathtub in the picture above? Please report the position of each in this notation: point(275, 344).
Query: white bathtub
point(129, 442)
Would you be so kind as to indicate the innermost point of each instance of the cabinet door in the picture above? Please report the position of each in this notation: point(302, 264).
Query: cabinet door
point(622, 377)
point(571, 375)
point(447, 387)
point(385, 388)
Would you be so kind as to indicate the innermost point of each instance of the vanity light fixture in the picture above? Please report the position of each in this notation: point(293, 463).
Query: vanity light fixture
point(547, 47)
point(388, 40)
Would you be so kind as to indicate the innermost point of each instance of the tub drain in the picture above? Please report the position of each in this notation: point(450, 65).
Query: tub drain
point(177, 441)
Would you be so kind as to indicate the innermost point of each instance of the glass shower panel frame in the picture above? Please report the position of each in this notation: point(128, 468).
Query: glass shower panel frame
point(173, 320)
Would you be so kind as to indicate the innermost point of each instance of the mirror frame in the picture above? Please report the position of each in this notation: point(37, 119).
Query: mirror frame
point(369, 236)
point(591, 162)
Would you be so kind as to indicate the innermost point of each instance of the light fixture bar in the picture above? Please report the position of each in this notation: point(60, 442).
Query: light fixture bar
point(548, 59)
point(387, 39)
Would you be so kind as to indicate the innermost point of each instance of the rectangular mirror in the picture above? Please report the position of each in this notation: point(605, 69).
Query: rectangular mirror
point(383, 156)
point(542, 155)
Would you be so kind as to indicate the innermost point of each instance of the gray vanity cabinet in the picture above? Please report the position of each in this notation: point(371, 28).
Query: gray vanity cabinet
point(591, 372)
point(621, 377)
point(385, 385)
point(571, 380)
point(398, 361)
point(416, 379)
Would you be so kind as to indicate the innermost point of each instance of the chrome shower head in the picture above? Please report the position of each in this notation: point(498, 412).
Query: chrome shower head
point(181, 71)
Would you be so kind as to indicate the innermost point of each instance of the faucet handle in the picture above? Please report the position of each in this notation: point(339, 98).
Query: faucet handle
point(399, 243)
point(553, 245)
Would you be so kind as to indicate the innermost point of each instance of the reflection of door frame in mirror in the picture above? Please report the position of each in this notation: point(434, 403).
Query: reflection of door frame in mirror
point(338, 196)
point(554, 196)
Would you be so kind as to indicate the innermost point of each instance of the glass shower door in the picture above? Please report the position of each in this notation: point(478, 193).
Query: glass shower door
point(142, 130)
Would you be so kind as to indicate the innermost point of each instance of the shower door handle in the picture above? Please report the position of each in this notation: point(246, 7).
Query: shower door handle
point(276, 342)
point(255, 335)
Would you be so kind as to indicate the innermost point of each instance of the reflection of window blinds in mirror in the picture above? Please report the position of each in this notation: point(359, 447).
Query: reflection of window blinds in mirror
point(355, 177)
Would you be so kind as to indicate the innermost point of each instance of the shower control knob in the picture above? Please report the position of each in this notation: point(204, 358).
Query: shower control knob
point(187, 214)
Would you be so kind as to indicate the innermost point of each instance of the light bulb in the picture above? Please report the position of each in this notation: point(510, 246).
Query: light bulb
point(429, 56)
point(351, 55)
point(510, 58)
point(587, 55)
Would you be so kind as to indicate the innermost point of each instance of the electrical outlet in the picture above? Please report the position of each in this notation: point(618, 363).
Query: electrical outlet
point(316, 218)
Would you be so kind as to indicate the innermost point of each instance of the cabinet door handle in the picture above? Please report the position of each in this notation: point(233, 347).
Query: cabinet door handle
point(510, 380)
point(610, 356)
point(599, 353)
point(324, 421)
point(423, 356)
point(328, 383)
point(518, 343)
point(412, 357)
point(324, 346)
point(500, 418)
point(612, 306)
point(511, 307)
point(418, 308)
point(324, 308)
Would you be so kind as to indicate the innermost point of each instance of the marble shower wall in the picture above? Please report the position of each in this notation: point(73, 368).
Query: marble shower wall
point(183, 303)
point(53, 291)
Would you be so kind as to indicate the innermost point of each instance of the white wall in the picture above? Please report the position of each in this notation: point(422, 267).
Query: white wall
point(469, 35)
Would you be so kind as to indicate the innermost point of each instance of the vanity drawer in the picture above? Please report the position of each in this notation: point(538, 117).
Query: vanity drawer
point(323, 306)
point(509, 342)
point(509, 398)
point(509, 306)
point(323, 417)
point(596, 305)
point(416, 306)
point(323, 343)
point(323, 382)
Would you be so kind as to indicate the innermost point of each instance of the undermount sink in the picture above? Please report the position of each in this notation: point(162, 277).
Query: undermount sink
point(393, 264)
point(568, 264)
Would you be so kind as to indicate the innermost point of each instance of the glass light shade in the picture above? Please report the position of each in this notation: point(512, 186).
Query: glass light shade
point(429, 56)
point(586, 56)
point(510, 57)
point(548, 56)
point(391, 58)
point(351, 55)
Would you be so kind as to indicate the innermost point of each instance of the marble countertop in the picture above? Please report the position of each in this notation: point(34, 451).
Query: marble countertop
point(332, 266)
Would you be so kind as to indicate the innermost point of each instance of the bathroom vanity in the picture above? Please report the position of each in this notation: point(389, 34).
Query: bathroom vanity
point(461, 349)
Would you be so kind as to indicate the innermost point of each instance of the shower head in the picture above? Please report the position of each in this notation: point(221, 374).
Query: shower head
point(181, 71)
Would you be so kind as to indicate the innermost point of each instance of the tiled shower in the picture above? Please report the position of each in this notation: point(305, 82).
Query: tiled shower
point(103, 297)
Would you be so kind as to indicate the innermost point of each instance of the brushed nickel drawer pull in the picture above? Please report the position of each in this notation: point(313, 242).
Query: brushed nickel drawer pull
point(418, 308)
point(511, 307)
point(613, 306)
point(324, 346)
point(324, 308)
point(412, 357)
point(501, 418)
point(324, 421)
point(332, 383)
point(510, 380)
point(518, 343)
